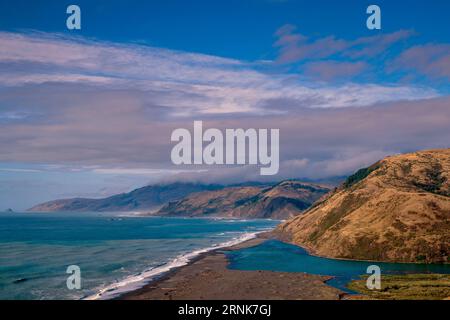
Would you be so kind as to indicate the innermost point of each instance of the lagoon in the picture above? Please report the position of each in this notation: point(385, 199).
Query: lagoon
point(274, 255)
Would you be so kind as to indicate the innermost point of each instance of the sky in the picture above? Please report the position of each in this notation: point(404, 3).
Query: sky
point(89, 113)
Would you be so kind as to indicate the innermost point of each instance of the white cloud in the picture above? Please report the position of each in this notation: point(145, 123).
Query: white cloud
point(19, 170)
point(108, 110)
point(182, 81)
point(143, 171)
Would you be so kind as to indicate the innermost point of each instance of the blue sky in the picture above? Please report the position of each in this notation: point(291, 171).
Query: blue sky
point(89, 113)
point(243, 30)
point(234, 28)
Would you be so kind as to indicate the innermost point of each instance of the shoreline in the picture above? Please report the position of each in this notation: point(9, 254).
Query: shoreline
point(147, 277)
point(167, 275)
point(207, 277)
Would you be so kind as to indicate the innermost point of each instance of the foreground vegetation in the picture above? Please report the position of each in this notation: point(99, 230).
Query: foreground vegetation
point(407, 287)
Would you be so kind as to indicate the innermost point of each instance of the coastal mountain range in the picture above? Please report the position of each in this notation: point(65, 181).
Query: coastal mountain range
point(398, 209)
point(246, 200)
point(145, 198)
point(280, 201)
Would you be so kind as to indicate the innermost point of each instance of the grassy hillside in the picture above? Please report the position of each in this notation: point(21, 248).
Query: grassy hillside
point(396, 210)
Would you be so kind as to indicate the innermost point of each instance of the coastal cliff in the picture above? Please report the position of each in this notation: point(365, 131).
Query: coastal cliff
point(398, 209)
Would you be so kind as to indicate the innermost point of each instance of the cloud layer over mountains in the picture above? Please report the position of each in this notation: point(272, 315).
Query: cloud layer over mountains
point(85, 105)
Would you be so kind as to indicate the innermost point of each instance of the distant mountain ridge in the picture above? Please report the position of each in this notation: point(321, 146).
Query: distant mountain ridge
point(280, 201)
point(398, 209)
point(142, 199)
point(243, 200)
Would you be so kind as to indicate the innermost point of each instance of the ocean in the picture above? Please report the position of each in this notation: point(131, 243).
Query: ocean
point(115, 252)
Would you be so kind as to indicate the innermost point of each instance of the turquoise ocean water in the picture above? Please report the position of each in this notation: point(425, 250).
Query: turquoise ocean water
point(115, 252)
point(118, 253)
point(278, 256)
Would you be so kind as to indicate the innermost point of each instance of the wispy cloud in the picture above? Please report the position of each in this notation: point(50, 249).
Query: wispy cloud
point(180, 82)
point(109, 109)
point(329, 70)
point(431, 60)
point(144, 171)
point(295, 46)
point(19, 170)
point(378, 57)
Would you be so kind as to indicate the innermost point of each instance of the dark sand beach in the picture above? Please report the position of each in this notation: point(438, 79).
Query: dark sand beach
point(208, 277)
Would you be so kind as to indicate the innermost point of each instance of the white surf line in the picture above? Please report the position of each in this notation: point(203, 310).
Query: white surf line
point(138, 281)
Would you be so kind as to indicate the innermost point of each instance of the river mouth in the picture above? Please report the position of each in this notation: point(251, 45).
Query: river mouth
point(274, 255)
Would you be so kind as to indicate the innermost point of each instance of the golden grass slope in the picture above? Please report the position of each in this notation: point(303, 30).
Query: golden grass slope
point(396, 210)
